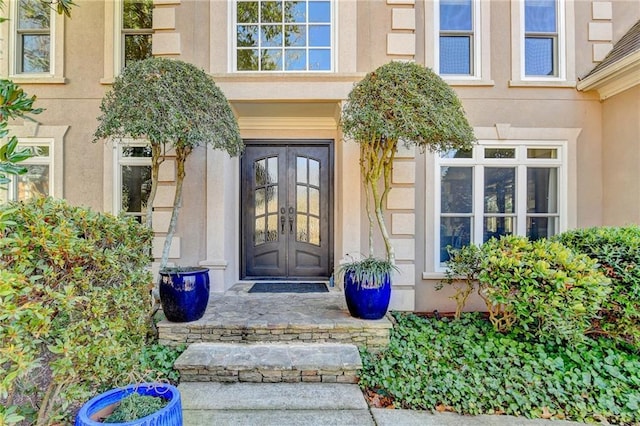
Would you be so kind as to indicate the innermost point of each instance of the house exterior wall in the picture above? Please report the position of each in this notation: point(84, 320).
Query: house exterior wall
point(369, 33)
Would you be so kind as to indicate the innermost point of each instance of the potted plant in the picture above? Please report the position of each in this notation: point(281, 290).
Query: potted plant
point(134, 405)
point(172, 105)
point(398, 102)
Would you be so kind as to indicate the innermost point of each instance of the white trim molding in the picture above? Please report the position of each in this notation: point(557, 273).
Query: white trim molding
point(616, 78)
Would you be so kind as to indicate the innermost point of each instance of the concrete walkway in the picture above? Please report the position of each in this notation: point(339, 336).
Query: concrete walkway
point(310, 404)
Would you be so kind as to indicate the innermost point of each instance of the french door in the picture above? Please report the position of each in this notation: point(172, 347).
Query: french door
point(286, 209)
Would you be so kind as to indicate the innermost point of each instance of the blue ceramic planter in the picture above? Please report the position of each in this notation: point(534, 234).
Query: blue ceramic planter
point(170, 415)
point(184, 294)
point(364, 300)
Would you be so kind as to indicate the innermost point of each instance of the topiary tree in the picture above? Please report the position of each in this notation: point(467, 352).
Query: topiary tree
point(400, 102)
point(170, 103)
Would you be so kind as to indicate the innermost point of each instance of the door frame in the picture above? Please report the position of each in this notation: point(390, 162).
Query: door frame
point(330, 144)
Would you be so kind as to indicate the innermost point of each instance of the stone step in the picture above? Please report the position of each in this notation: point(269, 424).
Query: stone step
point(269, 363)
point(273, 404)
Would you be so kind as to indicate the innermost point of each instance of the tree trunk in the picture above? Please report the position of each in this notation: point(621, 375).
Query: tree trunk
point(155, 171)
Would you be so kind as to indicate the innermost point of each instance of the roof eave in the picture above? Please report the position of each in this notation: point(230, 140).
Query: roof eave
point(615, 78)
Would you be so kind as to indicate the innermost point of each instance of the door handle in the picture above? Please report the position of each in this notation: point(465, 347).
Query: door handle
point(291, 212)
point(282, 219)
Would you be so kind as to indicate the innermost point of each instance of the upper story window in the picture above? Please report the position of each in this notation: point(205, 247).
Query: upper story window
point(500, 189)
point(541, 38)
point(38, 180)
point(283, 35)
point(33, 37)
point(136, 30)
point(457, 37)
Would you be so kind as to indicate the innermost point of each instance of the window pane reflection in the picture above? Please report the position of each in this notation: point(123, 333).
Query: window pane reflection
point(495, 227)
point(34, 183)
point(499, 190)
point(136, 184)
point(454, 232)
point(456, 189)
point(542, 190)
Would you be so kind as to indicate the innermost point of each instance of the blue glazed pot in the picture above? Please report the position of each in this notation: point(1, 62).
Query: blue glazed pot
point(184, 294)
point(364, 300)
point(170, 415)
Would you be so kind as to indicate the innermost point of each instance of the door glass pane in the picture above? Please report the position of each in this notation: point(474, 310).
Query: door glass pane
point(456, 191)
point(541, 227)
point(314, 172)
point(314, 230)
point(272, 167)
point(272, 227)
point(259, 231)
point(495, 227)
point(499, 190)
point(455, 15)
point(301, 198)
point(454, 232)
point(302, 233)
point(455, 55)
point(33, 183)
point(260, 168)
point(272, 199)
point(314, 201)
point(542, 190)
point(260, 201)
point(136, 184)
point(301, 164)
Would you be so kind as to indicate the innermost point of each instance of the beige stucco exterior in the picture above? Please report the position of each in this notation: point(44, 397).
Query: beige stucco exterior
point(602, 137)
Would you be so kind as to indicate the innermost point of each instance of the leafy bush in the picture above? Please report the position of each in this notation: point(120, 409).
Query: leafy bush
point(74, 291)
point(618, 252)
point(467, 366)
point(536, 289)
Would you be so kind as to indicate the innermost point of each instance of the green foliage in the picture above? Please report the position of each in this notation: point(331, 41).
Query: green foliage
point(466, 366)
point(14, 103)
point(75, 285)
point(156, 363)
point(370, 270)
point(536, 289)
point(169, 102)
point(136, 406)
point(618, 252)
point(399, 101)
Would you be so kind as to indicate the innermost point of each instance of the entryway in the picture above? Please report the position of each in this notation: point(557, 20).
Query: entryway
point(287, 209)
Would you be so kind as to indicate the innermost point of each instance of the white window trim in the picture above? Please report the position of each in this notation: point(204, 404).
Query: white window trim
point(117, 160)
point(31, 133)
point(503, 135)
point(232, 56)
point(566, 45)
point(8, 63)
point(481, 44)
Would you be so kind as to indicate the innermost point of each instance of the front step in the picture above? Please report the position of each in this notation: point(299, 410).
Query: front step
point(269, 363)
point(274, 404)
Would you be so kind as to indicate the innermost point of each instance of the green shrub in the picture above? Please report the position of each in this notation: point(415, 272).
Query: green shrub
point(536, 289)
point(468, 367)
point(618, 252)
point(136, 406)
point(77, 290)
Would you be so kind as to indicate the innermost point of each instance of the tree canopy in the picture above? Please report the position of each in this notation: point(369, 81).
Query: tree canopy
point(169, 102)
point(404, 101)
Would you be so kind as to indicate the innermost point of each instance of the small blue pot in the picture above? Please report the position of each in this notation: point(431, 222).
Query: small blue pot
point(364, 300)
point(184, 294)
point(170, 415)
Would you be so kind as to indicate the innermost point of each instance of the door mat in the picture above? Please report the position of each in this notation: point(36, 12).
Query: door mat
point(288, 288)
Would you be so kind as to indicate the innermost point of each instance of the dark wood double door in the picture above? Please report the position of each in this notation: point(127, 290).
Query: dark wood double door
point(286, 205)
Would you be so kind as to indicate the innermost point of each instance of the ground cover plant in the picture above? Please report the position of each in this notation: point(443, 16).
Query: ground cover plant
point(74, 291)
point(469, 367)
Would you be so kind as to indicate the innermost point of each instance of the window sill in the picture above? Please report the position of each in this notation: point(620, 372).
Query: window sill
point(434, 276)
point(464, 82)
point(542, 83)
point(20, 79)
